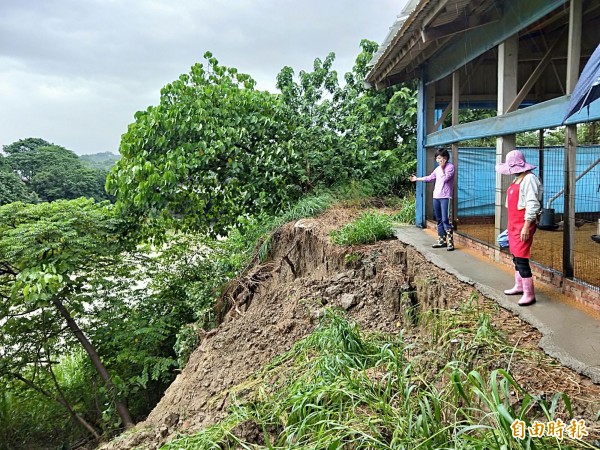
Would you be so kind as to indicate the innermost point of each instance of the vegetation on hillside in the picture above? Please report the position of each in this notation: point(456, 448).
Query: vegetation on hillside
point(101, 161)
point(432, 387)
point(102, 303)
point(96, 321)
point(370, 227)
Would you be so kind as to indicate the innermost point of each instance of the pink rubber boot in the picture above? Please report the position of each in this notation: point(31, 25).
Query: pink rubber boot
point(518, 287)
point(528, 294)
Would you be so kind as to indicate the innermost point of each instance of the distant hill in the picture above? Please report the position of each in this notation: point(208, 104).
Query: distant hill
point(103, 161)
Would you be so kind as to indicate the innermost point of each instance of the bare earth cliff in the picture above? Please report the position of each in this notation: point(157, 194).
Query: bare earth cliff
point(277, 303)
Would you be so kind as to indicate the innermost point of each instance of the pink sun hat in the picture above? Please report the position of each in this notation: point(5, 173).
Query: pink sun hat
point(515, 163)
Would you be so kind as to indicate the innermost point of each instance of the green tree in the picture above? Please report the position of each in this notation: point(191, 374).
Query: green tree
point(30, 419)
point(53, 173)
point(135, 314)
point(130, 305)
point(47, 251)
point(350, 132)
point(27, 163)
point(25, 145)
point(12, 189)
point(386, 117)
point(61, 181)
point(204, 156)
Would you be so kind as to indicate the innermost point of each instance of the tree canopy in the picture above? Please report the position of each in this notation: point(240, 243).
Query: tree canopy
point(71, 284)
point(25, 145)
point(198, 159)
point(215, 149)
point(47, 172)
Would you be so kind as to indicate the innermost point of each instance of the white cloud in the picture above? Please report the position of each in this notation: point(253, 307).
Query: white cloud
point(74, 72)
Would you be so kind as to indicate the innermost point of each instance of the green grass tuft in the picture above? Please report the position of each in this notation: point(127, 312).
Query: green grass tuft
point(368, 228)
point(407, 210)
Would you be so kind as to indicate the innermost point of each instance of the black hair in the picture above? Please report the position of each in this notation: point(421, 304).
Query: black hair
point(442, 152)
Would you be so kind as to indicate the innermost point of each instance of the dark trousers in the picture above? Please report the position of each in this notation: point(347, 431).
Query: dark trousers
point(522, 266)
point(440, 212)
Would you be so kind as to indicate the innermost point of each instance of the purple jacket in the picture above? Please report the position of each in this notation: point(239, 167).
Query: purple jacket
point(443, 181)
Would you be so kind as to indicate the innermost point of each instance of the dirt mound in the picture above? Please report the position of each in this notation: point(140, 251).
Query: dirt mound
point(277, 303)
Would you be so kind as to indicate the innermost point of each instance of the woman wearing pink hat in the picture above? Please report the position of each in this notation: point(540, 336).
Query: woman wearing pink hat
point(523, 201)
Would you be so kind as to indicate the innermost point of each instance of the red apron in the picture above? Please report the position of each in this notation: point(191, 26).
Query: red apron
point(516, 220)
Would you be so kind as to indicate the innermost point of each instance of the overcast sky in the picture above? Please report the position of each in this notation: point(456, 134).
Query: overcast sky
point(74, 72)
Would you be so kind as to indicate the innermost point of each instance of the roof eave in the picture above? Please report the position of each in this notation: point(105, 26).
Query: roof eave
point(382, 64)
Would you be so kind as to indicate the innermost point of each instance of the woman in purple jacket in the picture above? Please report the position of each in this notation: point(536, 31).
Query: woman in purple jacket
point(442, 193)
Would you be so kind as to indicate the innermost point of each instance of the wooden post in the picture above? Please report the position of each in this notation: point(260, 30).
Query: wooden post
point(421, 135)
point(507, 92)
point(455, 111)
point(429, 164)
point(573, 60)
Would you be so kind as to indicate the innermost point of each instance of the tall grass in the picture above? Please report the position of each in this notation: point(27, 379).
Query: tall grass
point(370, 227)
point(342, 388)
point(407, 210)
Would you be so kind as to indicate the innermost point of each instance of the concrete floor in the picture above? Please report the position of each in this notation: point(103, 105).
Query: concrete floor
point(571, 333)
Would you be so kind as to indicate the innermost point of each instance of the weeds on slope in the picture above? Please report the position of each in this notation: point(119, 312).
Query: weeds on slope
point(342, 388)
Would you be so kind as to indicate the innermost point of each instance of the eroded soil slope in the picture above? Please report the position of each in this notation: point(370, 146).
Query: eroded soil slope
point(277, 303)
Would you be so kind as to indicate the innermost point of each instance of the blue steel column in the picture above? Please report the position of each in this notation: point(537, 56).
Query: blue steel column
point(421, 155)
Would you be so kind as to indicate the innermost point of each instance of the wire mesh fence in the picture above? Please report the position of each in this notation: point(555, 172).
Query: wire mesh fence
point(477, 191)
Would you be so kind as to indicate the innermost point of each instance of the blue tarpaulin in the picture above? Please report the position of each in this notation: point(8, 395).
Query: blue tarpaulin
point(587, 88)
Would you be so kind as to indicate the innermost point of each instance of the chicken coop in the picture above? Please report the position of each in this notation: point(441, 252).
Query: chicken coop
point(521, 60)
